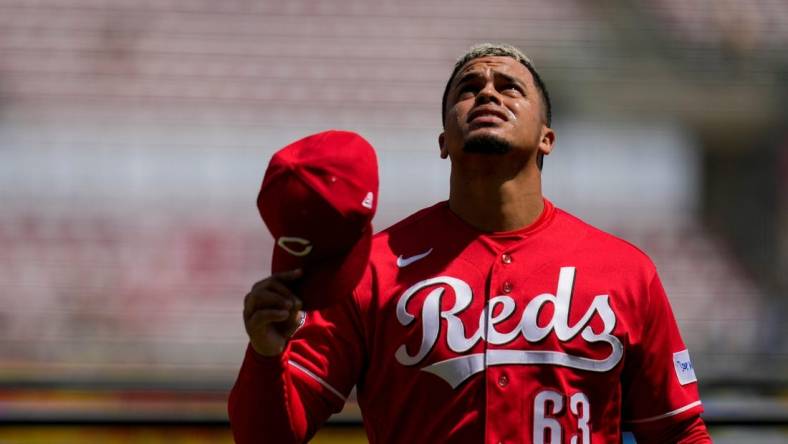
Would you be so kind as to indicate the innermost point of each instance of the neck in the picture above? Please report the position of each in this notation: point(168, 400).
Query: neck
point(490, 202)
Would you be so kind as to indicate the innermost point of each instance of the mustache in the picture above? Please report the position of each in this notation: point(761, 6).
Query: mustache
point(487, 144)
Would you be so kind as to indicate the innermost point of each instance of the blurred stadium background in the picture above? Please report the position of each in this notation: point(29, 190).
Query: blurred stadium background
point(134, 135)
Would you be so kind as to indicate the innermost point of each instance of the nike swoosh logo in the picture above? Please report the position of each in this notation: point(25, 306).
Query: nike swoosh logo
point(404, 262)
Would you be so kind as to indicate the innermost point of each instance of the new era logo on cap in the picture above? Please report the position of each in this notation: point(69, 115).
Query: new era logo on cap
point(309, 200)
point(368, 200)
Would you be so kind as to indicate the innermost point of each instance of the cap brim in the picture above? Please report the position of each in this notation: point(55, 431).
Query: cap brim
point(326, 282)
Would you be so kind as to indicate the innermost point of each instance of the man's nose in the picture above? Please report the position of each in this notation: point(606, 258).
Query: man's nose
point(488, 94)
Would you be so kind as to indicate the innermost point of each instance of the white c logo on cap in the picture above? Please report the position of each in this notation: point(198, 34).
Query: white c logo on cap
point(282, 242)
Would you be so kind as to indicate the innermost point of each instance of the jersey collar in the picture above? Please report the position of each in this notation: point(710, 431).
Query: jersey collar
point(540, 223)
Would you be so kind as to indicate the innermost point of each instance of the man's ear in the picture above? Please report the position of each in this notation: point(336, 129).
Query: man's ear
point(442, 145)
point(547, 141)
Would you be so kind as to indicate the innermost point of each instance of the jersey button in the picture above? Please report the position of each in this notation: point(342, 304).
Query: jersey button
point(507, 287)
point(506, 258)
point(503, 380)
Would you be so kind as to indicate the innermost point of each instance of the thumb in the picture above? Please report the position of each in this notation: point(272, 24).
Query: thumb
point(294, 321)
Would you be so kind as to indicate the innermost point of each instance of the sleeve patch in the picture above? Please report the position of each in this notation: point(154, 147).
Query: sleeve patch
point(684, 370)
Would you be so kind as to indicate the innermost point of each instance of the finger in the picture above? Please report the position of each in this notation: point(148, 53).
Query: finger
point(289, 275)
point(298, 305)
point(265, 299)
point(273, 284)
point(282, 296)
point(267, 316)
point(286, 276)
point(270, 285)
point(294, 320)
point(259, 283)
point(277, 286)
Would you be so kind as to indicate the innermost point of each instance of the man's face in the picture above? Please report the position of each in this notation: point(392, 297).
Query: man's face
point(493, 107)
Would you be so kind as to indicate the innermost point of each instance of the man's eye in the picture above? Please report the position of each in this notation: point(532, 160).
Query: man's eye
point(466, 89)
point(513, 90)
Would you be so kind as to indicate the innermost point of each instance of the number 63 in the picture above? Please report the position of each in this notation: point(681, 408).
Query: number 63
point(547, 429)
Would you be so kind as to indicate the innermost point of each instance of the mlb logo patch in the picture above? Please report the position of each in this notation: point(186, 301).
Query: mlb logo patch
point(684, 369)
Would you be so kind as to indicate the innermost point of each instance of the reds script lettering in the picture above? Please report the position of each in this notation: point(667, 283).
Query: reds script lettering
point(456, 370)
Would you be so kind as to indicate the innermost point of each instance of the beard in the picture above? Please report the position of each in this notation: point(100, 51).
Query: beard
point(486, 144)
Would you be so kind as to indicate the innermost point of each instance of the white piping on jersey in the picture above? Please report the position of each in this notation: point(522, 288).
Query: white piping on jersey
point(666, 415)
point(320, 380)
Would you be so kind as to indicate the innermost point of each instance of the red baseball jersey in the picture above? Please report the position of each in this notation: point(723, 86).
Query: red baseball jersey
point(555, 333)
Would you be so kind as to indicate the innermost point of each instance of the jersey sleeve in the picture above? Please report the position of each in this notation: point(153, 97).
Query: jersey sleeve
point(660, 388)
point(287, 398)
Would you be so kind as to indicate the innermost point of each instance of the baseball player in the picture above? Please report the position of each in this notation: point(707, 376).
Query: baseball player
point(492, 317)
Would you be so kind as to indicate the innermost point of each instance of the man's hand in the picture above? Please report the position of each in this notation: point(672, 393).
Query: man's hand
point(271, 313)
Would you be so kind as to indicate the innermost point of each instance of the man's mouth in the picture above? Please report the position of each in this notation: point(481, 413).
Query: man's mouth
point(487, 116)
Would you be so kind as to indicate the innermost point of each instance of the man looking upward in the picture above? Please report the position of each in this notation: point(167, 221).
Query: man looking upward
point(491, 317)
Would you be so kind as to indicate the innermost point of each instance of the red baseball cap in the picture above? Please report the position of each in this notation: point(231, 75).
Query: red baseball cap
point(318, 197)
